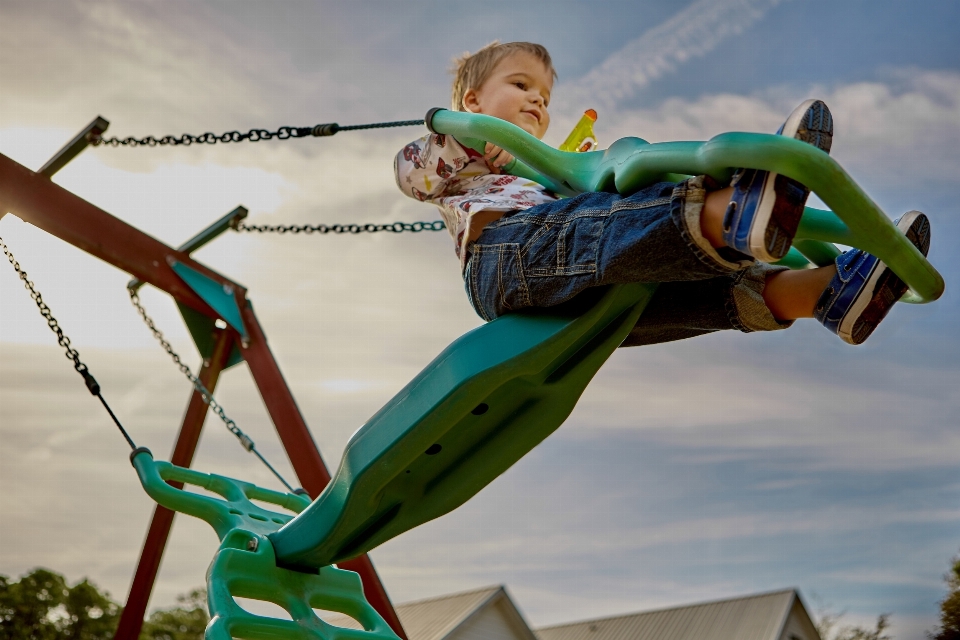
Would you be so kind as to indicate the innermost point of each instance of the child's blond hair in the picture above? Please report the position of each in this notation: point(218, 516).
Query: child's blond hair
point(471, 70)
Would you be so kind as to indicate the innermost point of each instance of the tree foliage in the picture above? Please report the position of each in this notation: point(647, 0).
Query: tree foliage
point(41, 606)
point(950, 606)
point(183, 622)
point(828, 630)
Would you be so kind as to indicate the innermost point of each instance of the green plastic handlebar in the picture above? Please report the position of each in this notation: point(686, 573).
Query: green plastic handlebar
point(234, 511)
point(632, 163)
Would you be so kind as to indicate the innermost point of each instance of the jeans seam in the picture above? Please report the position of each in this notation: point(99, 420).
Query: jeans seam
point(746, 294)
point(523, 292)
point(678, 213)
point(730, 305)
point(561, 246)
point(475, 291)
point(635, 206)
point(503, 297)
point(542, 229)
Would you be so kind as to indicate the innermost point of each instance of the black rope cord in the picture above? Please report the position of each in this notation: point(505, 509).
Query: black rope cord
point(253, 135)
point(64, 342)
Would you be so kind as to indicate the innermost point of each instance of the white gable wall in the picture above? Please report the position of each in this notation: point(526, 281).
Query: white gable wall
point(798, 625)
point(498, 621)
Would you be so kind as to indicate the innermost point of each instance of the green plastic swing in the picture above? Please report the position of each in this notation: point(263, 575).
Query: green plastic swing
point(492, 395)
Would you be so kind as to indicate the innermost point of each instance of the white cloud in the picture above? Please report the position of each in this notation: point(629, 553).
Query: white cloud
point(689, 34)
point(893, 135)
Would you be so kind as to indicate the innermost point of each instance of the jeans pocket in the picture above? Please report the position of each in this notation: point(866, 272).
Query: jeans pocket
point(495, 280)
point(566, 246)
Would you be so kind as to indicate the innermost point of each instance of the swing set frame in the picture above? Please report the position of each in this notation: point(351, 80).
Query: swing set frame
point(35, 198)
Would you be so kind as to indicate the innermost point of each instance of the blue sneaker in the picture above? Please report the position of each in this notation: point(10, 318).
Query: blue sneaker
point(865, 289)
point(765, 209)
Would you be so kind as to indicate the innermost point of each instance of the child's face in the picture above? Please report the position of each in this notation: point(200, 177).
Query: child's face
point(517, 91)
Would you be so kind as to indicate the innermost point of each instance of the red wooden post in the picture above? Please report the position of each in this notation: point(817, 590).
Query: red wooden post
point(131, 620)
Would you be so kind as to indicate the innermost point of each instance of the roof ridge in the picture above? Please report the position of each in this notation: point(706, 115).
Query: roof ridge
point(450, 595)
point(681, 606)
point(489, 597)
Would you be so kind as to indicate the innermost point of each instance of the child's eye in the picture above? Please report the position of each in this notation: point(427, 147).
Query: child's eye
point(521, 85)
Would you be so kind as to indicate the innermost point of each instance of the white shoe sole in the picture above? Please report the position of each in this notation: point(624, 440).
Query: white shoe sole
point(865, 296)
point(758, 243)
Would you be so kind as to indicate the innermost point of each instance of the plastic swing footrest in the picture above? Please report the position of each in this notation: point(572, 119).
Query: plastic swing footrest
point(245, 565)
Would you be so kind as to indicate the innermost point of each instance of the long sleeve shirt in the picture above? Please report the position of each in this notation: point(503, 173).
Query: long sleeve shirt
point(439, 170)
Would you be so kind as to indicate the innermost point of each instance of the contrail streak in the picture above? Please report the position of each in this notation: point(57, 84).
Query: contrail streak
point(692, 33)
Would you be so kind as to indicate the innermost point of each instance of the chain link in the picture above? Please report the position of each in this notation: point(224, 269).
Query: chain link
point(205, 394)
point(94, 387)
point(394, 227)
point(253, 135)
point(64, 341)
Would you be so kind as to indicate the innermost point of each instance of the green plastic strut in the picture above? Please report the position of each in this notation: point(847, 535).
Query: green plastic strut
point(245, 565)
point(632, 163)
point(480, 406)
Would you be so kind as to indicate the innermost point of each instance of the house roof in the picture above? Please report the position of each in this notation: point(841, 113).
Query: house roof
point(436, 618)
point(756, 617)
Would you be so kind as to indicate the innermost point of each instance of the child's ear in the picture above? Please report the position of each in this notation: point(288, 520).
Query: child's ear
point(471, 102)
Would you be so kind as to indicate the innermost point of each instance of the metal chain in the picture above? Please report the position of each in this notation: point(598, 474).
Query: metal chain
point(205, 394)
point(395, 227)
point(63, 340)
point(254, 135)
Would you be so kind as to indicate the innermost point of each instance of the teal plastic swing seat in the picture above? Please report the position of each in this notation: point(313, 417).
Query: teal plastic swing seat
point(245, 565)
point(480, 406)
point(499, 390)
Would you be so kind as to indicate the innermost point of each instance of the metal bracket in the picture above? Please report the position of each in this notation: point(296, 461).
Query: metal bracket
point(73, 148)
point(229, 221)
point(221, 297)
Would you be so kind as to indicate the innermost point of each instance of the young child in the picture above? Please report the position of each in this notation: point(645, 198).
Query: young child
point(709, 244)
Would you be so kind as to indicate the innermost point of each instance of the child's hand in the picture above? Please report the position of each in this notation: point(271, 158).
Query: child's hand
point(496, 157)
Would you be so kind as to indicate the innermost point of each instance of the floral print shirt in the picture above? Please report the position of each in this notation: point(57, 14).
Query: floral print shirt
point(439, 170)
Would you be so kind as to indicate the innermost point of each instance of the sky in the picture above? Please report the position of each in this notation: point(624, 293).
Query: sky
point(704, 469)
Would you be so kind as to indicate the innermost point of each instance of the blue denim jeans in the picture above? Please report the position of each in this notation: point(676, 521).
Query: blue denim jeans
point(546, 255)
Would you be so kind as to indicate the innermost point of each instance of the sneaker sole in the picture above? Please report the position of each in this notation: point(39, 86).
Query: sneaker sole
point(812, 123)
point(887, 287)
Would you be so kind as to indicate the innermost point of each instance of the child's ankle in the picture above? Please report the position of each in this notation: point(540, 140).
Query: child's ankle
point(711, 219)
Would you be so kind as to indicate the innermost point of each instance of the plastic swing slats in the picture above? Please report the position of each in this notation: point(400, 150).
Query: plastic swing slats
point(245, 566)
